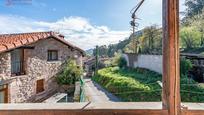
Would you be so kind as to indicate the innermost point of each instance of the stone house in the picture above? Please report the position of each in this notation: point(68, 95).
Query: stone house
point(90, 63)
point(29, 63)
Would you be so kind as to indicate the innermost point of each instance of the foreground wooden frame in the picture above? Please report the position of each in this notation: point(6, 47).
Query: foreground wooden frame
point(171, 74)
point(86, 108)
point(97, 112)
point(85, 112)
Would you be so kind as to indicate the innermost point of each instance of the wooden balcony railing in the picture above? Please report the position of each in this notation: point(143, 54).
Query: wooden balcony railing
point(86, 108)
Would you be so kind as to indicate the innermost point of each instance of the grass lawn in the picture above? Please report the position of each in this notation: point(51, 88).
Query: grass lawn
point(142, 85)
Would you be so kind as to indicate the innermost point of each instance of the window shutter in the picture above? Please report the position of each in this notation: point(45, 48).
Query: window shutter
point(40, 86)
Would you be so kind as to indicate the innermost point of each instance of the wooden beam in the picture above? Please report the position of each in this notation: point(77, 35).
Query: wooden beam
point(171, 74)
point(192, 112)
point(27, 47)
point(84, 112)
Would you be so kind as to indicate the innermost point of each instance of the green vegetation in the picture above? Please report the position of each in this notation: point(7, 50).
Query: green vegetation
point(118, 60)
point(190, 37)
point(185, 66)
point(194, 8)
point(70, 74)
point(122, 63)
point(191, 91)
point(150, 41)
point(141, 85)
point(111, 49)
point(130, 85)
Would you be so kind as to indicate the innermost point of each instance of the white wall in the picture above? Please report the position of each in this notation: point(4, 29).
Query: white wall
point(151, 62)
point(126, 58)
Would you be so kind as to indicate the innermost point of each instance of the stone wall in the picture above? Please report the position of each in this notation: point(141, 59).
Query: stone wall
point(23, 88)
point(5, 65)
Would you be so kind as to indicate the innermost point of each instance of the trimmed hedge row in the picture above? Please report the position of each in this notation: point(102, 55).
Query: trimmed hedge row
point(141, 85)
point(130, 85)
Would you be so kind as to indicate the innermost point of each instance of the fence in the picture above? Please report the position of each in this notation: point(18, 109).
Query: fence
point(82, 90)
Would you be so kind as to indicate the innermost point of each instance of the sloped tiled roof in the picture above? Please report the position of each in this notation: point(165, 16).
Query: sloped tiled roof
point(12, 41)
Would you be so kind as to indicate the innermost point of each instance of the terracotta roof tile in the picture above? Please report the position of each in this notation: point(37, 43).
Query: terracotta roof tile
point(2, 48)
point(11, 41)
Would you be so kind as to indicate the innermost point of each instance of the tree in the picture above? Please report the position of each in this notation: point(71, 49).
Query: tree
point(199, 24)
point(190, 37)
point(115, 59)
point(132, 46)
point(102, 50)
point(151, 40)
point(194, 7)
point(70, 74)
point(108, 51)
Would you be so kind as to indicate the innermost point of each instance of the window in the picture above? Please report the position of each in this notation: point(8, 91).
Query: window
point(52, 55)
point(40, 86)
point(17, 62)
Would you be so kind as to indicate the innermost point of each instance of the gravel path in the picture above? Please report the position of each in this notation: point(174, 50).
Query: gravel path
point(96, 93)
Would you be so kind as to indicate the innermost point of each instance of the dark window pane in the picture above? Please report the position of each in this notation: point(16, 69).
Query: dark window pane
point(52, 55)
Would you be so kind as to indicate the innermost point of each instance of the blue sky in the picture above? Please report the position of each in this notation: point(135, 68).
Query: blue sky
point(85, 23)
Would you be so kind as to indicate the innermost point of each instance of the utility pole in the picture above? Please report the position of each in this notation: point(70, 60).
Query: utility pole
point(96, 57)
point(133, 24)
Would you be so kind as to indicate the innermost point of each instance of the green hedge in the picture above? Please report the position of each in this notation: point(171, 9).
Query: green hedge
point(130, 85)
point(141, 85)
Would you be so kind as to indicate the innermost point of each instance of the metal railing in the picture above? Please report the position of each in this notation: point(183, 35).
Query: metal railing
point(82, 90)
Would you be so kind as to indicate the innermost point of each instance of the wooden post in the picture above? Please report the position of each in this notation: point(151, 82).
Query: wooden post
point(171, 74)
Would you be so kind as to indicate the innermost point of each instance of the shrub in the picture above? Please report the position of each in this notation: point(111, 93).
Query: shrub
point(122, 62)
point(185, 66)
point(191, 91)
point(70, 74)
point(115, 59)
point(119, 61)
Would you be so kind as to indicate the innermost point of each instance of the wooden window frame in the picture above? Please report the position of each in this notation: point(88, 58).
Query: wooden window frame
point(22, 64)
point(49, 52)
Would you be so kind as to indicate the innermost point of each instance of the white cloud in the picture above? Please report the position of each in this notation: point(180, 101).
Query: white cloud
point(77, 30)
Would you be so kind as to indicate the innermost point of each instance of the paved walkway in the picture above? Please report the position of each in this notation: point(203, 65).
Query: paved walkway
point(96, 93)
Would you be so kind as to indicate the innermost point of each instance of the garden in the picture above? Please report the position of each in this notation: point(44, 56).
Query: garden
point(138, 85)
